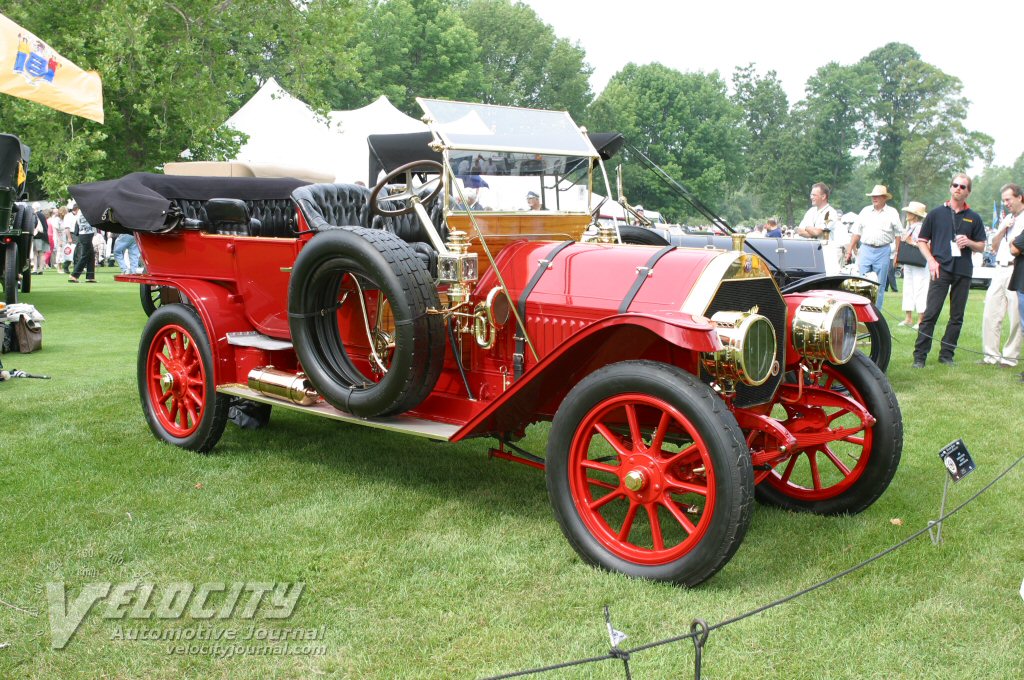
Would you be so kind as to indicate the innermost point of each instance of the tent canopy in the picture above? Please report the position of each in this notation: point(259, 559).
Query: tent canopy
point(283, 130)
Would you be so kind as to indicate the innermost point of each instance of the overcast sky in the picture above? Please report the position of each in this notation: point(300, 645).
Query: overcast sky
point(970, 40)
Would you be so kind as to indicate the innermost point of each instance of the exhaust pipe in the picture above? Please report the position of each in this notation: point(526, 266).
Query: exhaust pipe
point(293, 387)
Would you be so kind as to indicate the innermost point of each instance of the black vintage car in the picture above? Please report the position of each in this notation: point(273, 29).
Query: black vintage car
point(15, 219)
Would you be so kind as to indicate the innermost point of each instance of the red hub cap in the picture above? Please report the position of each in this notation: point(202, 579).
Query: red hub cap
point(641, 479)
point(176, 381)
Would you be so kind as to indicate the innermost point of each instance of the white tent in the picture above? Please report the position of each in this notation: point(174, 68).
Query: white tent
point(353, 127)
point(284, 131)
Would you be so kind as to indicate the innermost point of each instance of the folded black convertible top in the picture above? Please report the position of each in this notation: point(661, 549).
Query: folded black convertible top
point(144, 201)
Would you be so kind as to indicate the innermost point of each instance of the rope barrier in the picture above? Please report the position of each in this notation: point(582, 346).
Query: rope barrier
point(700, 630)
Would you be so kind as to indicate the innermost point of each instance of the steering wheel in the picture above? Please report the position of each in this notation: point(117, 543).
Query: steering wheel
point(378, 202)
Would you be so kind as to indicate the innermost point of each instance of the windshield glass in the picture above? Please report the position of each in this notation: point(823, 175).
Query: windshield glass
point(467, 126)
point(511, 159)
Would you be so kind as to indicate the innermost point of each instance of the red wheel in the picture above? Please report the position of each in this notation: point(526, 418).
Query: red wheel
point(176, 380)
point(850, 439)
point(617, 476)
point(648, 474)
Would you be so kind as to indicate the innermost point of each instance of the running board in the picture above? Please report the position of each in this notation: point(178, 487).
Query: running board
point(406, 424)
point(258, 340)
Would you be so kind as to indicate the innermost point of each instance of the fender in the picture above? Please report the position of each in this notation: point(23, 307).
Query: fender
point(821, 281)
point(866, 312)
point(536, 395)
point(205, 296)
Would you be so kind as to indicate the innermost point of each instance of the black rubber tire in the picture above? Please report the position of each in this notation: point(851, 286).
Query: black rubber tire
point(884, 458)
point(641, 236)
point(11, 272)
point(734, 481)
point(149, 302)
point(155, 297)
point(24, 222)
point(382, 261)
point(214, 414)
point(879, 337)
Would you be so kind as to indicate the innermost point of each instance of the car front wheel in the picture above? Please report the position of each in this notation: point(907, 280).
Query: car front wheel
point(648, 474)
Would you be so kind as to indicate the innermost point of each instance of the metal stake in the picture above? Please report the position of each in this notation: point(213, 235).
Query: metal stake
point(936, 535)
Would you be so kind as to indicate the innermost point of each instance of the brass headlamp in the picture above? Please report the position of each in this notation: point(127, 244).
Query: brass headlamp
point(748, 355)
point(825, 329)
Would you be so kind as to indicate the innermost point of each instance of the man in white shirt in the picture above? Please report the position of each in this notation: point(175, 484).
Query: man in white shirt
point(876, 229)
point(1000, 301)
point(817, 221)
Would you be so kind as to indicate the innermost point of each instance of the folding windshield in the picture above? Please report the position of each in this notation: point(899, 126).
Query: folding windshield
point(511, 159)
point(481, 127)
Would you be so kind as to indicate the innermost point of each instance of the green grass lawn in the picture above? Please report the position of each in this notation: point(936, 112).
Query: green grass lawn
point(429, 560)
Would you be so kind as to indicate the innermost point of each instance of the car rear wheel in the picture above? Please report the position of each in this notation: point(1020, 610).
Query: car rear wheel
point(11, 272)
point(648, 474)
point(154, 297)
point(850, 461)
point(176, 380)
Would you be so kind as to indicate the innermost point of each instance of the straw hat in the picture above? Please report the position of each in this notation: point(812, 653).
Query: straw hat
point(916, 208)
point(880, 190)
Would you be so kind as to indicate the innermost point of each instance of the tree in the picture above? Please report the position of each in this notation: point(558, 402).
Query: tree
point(684, 122)
point(831, 116)
point(917, 116)
point(987, 185)
point(524, 62)
point(413, 48)
point(172, 74)
point(776, 171)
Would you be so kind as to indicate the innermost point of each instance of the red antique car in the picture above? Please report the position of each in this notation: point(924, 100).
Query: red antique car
point(679, 383)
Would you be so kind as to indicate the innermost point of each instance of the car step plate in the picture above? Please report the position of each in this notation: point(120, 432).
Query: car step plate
point(407, 424)
point(258, 340)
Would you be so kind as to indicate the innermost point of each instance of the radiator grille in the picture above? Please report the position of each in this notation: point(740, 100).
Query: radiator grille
point(741, 295)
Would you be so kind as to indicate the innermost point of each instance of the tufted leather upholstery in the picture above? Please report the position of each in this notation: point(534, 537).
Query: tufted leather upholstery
point(340, 205)
point(270, 217)
point(333, 205)
point(276, 217)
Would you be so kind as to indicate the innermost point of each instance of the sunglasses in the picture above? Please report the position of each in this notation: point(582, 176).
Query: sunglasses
point(960, 186)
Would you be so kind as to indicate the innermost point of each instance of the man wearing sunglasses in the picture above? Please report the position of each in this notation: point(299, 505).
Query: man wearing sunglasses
point(949, 235)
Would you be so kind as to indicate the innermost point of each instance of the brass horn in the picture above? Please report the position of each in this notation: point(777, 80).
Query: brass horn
point(489, 316)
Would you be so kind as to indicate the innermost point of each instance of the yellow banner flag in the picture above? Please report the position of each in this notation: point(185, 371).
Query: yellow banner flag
point(31, 69)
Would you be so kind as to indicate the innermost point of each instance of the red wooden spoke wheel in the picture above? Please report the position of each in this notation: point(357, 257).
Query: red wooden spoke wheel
point(644, 500)
point(176, 381)
point(648, 474)
point(844, 462)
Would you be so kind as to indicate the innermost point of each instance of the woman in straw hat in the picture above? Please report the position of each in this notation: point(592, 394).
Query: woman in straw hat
point(915, 278)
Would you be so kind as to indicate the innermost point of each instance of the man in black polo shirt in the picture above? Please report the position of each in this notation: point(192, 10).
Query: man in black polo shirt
point(949, 235)
point(1017, 278)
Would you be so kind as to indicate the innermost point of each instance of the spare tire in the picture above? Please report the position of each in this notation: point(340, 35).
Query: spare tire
point(358, 302)
point(641, 236)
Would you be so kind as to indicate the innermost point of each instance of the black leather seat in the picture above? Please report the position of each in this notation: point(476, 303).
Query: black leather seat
point(333, 205)
point(272, 217)
point(326, 206)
